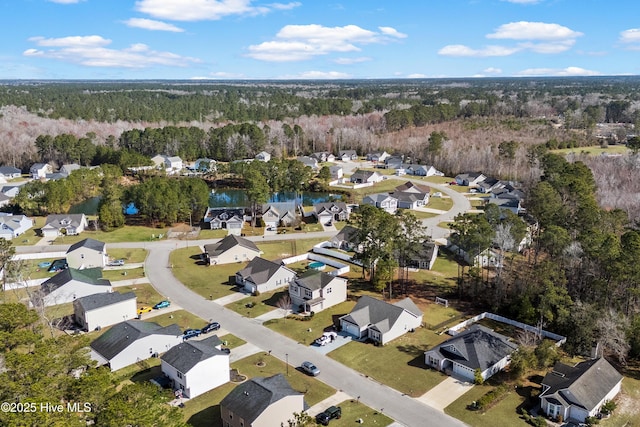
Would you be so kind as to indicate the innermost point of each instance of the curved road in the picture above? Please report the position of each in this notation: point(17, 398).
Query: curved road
point(398, 406)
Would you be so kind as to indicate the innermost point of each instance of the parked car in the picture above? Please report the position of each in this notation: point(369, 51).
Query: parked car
point(326, 338)
point(310, 368)
point(144, 309)
point(213, 326)
point(162, 304)
point(191, 333)
point(333, 412)
point(116, 263)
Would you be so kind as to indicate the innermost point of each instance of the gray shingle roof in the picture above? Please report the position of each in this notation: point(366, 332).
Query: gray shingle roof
point(63, 220)
point(92, 276)
point(227, 243)
point(314, 279)
point(185, 356)
point(583, 385)
point(122, 335)
point(477, 347)
point(347, 234)
point(96, 245)
point(259, 270)
point(9, 170)
point(250, 399)
point(91, 302)
point(331, 207)
point(412, 187)
point(381, 314)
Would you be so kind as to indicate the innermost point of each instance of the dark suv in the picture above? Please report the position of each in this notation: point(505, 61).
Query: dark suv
point(329, 414)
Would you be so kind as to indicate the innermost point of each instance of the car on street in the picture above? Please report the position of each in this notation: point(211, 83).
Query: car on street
point(162, 304)
point(191, 333)
point(213, 326)
point(333, 412)
point(310, 368)
point(144, 309)
point(116, 263)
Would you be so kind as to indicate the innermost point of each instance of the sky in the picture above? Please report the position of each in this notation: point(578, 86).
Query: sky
point(317, 39)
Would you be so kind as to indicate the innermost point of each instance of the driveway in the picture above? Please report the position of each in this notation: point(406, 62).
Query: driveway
point(445, 393)
point(343, 338)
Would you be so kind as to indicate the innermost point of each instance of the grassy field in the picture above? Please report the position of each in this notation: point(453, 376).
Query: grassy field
point(129, 255)
point(123, 274)
point(183, 318)
point(441, 203)
point(204, 410)
point(398, 364)
point(31, 236)
point(212, 234)
point(254, 306)
point(146, 294)
point(627, 413)
point(595, 150)
point(439, 179)
point(130, 233)
point(353, 410)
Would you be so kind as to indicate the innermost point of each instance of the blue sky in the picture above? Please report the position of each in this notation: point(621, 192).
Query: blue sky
point(317, 39)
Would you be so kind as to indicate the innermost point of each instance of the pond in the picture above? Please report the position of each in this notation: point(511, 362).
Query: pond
point(234, 197)
point(88, 207)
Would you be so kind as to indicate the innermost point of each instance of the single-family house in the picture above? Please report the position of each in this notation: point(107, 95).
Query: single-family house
point(158, 160)
point(363, 176)
point(87, 253)
point(10, 172)
point(66, 169)
point(195, 367)
point(470, 179)
point(384, 201)
point(315, 291)
point(64, 224)
point(324, 156)
point(10, 190)
point(4, 200)
point(477, 348)
point(97, 311)
point(381, 321)
point(263, 156)
point(173, 164)
point(393, 162)
point(377, 157)
point(131, 341)
point(231, 219)
point(261, 402)
point(331, 211)
point(507, 202)
point(422, 170)
point(231, 249)
point(71, 284)
point(262, 275)
point(12, 226)
point(426, 256)
point(204, 165)
point(270, 217)
point(489, 185)
point(479, 256)
point(336, 171)
point(346, 239)
point(40, 170)
point(348, 155)
point(412, 187)
point(410, 200)
point(309, 161)
point(577, 392)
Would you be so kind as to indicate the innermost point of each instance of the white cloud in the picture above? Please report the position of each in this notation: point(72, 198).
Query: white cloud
point(317, 75)
point(525, 30)
point(487, 51)
point(205, 10)
point(392, 32)
point(492, 70)
point(153, 25)
point(302, 42)
point(348, 61)
point(560, 72)
point(91, 51)
point(631, 38)
point(417, 76)
point(553, 47)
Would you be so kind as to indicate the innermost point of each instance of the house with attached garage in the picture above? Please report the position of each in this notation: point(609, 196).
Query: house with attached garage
point(10, 172)
point(195, 367)
point(132, 341)
point(4, 199)
point(10, 190)
point(365, 177)
point(87, 253)
point(262, 275)
point(331, 211)
point(40, 170)
point(231, 219)
point(470, 179)
point(263, 156)
point(261, 402)
point(577, 392)
point(336, 171)
point(477, 348)
point(346, 239)
point(315, 291)
point(384, 201)
point(422, 170)
point(64, 224)
point(377, 157)
point(348, 155)
point(309, 161)
point(69, 285)
point(231, 249)
point(381, 321)
point(97, 311)
point(12, 226)
point(324, 156)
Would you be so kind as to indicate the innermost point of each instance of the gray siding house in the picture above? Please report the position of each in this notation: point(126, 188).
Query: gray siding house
point(105, 309)
point(262, 275)
point(231, 249)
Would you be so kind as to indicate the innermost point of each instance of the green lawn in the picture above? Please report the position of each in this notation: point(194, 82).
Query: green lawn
point(204, 410)
point(147, 295)
point(353, 410)
point(123, 274)
point(29, 268)
point(385, 186)
point(254, 306)
point(131, 255)
point(439, 179)
point(212, 234)
point(299, 330)
point(441, 203)
point(31, 236)
point(209, 281)
point(398, 364)
point(273, 250)
point(183, 318)
point(128, 233)
point(627, 413)
point(423, 215)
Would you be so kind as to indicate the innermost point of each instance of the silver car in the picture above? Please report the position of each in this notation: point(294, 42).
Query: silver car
point(310, 368)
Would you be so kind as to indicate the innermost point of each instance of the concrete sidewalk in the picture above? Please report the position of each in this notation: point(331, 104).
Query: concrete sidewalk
point(334, 400)
point(236, 296)
point(273, 314)
point(445, 393)
point(245, 350)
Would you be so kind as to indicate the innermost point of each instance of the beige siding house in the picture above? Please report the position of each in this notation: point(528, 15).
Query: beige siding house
point(87, 253)
point(261, 402)
point(316, 291)
point(69, 285)
point(262, 275)
point(105, 309)
point(231, 249)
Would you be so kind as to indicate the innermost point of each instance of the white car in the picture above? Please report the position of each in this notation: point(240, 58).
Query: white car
point(326, 338)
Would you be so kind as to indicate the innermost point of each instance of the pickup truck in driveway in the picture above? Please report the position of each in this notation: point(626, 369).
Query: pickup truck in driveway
point(329, 414)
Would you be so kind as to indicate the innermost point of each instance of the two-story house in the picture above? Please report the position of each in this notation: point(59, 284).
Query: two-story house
point(87, 253)
point(315, 291)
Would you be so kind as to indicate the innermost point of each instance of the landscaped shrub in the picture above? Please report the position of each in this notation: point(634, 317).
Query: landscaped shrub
point(590, 421)
point(492, 396)
point(608, 407)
